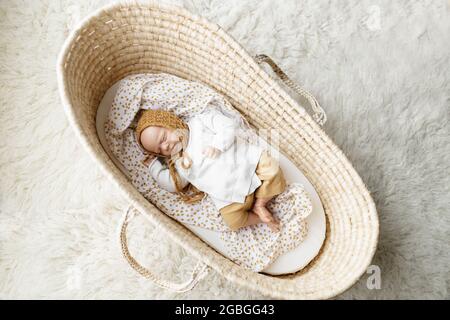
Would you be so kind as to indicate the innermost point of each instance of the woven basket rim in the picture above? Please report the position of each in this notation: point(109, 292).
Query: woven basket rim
point(136, 199)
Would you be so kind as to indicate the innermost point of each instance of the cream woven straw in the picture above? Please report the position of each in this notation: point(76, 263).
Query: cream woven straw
point(135, 37)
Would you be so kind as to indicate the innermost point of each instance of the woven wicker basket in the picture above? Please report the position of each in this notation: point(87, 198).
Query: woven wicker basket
point(135, 37)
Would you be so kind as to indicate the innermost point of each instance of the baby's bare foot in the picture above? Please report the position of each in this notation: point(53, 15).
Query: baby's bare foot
point(275, 225)
point(264, 214)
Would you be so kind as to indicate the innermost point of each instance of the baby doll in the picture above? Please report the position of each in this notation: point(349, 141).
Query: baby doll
point(204, 156)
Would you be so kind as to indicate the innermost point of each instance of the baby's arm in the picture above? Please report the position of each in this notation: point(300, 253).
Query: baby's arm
point(162, 176)
point(224, 128)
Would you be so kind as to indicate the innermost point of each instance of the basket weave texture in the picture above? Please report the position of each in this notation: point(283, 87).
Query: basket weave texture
point(134, 37)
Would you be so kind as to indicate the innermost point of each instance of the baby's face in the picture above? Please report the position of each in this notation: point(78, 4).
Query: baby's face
point(161, 140)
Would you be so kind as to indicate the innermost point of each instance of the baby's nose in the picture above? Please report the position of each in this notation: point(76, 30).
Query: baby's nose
point(165, 146)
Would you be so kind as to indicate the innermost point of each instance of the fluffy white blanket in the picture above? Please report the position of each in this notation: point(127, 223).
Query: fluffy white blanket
point(379, 68)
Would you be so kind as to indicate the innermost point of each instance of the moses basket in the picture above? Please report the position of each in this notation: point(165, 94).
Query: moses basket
point(134, 37)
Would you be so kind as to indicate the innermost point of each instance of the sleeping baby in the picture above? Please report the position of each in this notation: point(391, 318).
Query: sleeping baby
point(204, 156)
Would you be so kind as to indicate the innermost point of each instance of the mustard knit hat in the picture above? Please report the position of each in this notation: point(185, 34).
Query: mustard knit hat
point(160, 118)
point(167, 119)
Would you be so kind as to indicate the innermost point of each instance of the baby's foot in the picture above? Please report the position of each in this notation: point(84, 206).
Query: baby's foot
point(264, 214)
point(275, 225)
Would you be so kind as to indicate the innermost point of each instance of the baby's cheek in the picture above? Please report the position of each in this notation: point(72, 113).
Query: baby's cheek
point(146, 143)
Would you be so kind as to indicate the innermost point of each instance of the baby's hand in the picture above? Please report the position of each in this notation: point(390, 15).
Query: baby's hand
point(211, 152)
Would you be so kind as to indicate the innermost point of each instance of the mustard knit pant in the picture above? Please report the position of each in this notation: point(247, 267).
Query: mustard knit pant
point(269, 172)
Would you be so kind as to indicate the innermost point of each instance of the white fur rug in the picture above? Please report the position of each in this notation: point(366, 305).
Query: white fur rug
point(379, 68)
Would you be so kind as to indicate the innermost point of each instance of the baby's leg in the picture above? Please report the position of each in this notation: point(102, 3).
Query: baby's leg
point(239, 215)
point(259, 207)
point(265, 215)
point(273, 183)
point(253, 218)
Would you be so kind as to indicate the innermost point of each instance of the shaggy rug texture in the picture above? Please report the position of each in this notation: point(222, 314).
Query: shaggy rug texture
point(379, 68)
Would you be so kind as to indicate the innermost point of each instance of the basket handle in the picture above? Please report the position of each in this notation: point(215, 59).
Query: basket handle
point(319, 114)
point(199, 272)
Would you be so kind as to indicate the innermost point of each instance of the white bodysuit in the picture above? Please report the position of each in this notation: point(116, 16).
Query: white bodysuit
point(229, 177)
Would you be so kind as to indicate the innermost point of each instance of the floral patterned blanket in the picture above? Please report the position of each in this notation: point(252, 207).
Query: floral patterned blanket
point(253, 247)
